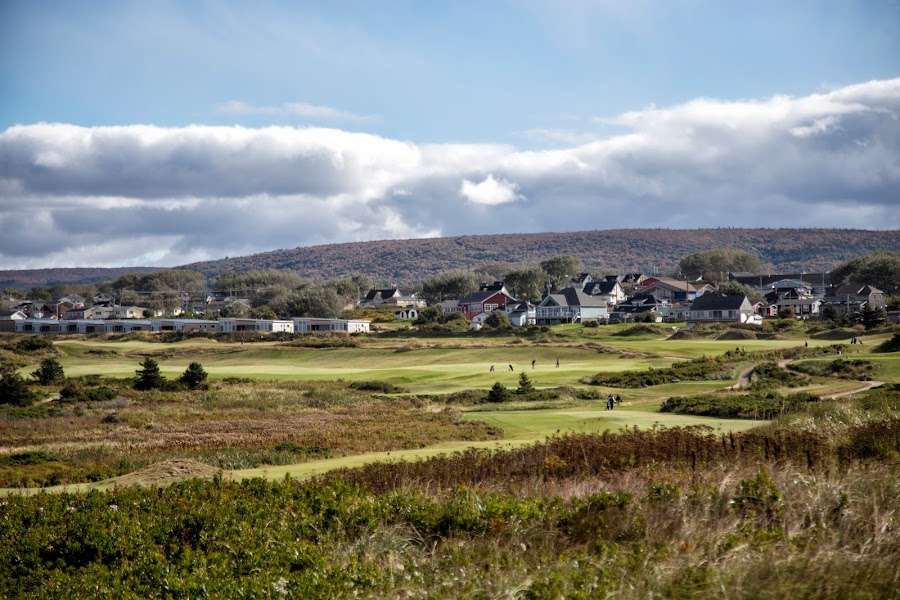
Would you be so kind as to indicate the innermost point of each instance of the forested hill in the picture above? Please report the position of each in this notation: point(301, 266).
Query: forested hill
point(28, 278)
point(617, 250)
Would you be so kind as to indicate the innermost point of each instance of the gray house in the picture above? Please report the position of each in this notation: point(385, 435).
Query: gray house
point(570, 305)
point(718, 308)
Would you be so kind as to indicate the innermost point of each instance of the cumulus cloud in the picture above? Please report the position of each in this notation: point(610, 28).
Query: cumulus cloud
point(490, 191)
point(73, 195)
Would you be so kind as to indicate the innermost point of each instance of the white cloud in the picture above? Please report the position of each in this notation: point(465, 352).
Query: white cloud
point(490, 191)
point(109, 195)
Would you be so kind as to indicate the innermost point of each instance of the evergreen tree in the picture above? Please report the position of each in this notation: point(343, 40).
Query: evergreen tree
point(49, 372)
point(14, 390)
point(872, 317)
point(498, 393)
point(525, 384)
point(194, 376)
point(149, 377)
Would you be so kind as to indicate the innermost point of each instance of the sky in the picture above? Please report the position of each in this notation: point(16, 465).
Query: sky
point(159, 133)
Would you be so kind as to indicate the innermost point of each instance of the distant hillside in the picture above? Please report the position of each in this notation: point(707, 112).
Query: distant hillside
point(646, 250)
point(28, 278)
point(616, 250)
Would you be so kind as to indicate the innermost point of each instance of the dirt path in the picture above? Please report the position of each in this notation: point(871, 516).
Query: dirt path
point(743, 379)
point(865, 386)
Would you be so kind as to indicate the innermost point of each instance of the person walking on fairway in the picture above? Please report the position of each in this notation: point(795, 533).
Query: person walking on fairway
point(618, 399)
point(510, 368)
point(557, 363)
point(492, 368)
point(532, 364)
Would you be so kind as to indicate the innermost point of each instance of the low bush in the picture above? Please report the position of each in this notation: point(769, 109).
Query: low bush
point(699, 369)
point(842, 368)
point(739, 406)
point(377, 386)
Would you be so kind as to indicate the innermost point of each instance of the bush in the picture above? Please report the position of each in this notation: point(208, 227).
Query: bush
point(498, 393)
point(753, 406)
point(149, 377)
point(194, 376)
point(14, 390)
point(377, 386)
point(891, 345)
point(525, 385)
point(49, 373)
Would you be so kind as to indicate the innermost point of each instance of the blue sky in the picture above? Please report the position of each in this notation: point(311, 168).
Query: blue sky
point(422, 105)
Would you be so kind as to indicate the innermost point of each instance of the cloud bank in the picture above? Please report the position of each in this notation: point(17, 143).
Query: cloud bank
point(139, 194)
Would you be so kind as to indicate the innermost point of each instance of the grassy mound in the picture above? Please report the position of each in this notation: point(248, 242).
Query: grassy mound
point(736, 334)
point(166, 472)
point(754, 406)
point(891, 345)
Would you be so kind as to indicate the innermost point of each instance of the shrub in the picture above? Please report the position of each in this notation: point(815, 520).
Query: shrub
point(49, 373)
point(498, 393)
point(891, 345)
point(14, 390)
point(149, 377)
point(498, 320)
point(194, 376)
point(752, 406)
point(525, 385)
point(377, 386)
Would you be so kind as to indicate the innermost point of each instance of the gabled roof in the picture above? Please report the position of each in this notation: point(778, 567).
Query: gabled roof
point(7, 315)
point(854, 289)
point(574, 297)
point(382, 293)
point(719, 302)
point(604, 287)
point(675, 284)
point(487, 290)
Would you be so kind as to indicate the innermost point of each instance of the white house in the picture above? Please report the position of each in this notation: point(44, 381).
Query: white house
point(521, 313)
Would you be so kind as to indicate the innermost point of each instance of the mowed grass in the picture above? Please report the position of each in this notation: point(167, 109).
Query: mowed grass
point(422, 370)
point(520, 427)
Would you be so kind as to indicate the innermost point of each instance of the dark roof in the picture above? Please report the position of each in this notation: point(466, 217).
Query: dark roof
point(853, 289)
point(381, 293)
point(575, 297)
point(483, 295)
point(600, 287)
point(719, 302)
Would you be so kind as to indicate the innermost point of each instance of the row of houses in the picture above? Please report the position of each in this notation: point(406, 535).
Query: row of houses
point(19, 323)
point(664, 298)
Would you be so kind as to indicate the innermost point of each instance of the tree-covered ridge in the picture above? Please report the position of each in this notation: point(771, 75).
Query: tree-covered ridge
point(623, 250)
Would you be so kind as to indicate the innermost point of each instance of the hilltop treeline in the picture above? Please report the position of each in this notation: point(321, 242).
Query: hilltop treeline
point(624, 250)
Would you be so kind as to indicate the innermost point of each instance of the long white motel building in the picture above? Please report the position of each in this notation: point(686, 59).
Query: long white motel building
point(230, 325)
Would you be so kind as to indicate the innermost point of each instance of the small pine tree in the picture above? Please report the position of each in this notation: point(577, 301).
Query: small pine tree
point(14, 390)
point(525, 384)
point(194, 376)
point(149, 377)
point(50, 372)
point(498, 393)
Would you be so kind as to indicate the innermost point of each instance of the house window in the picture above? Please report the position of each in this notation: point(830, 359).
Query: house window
point(717, 314)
